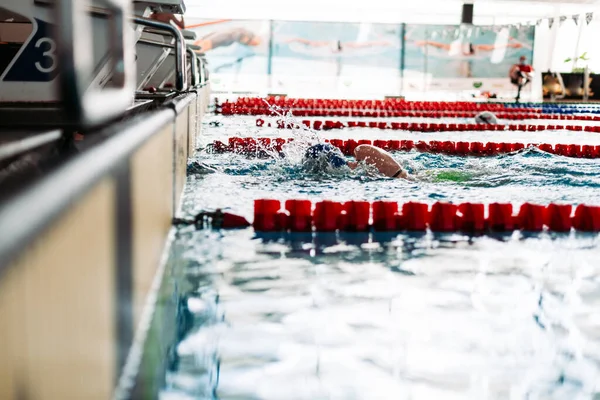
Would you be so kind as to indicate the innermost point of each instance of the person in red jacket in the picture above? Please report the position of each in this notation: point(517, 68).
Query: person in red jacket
point(520, 75)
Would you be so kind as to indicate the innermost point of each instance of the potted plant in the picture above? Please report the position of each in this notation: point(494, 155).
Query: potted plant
point(577, 69)
point(575, 86)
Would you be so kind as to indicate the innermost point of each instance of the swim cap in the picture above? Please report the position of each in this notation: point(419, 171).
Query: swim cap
point(486, 117)
point(327, 152)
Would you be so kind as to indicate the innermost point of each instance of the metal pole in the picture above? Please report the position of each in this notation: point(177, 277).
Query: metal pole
point(426, 57)
point(586, 83)
point(270, 55)
point(402, 56)
point(553, 36)
point(576, 56)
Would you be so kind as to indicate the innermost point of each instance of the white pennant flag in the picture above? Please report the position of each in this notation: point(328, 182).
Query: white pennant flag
point(589, 17)
point(561, 20)
point(575, 19)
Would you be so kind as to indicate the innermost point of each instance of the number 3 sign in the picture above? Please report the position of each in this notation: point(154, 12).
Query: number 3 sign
point(36, 62)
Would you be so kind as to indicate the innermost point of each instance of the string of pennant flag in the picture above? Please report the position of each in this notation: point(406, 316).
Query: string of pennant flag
point(588, 17)
point(473, 31)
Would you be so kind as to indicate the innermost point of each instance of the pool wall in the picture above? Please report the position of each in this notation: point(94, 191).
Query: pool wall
point(79, 257)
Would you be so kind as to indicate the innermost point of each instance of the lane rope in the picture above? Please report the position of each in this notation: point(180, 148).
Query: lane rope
point(265, 147)
point(420, 126)
point(249, 105)
point(361, 216)
point(512, 116)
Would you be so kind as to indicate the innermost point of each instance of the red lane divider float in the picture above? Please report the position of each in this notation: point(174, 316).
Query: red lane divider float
point(263, 147)
point(360, 216)
point(421, 126)
point(298, 112)
point(386, 105)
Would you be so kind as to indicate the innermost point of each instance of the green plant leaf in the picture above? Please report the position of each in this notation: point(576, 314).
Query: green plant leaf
point(568, 60)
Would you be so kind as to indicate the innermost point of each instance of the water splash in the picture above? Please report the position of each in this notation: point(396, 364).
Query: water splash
point(303, 137)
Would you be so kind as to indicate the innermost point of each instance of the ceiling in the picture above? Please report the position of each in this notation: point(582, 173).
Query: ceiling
point(486, 12)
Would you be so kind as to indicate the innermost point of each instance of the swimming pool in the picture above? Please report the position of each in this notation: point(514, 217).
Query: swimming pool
point(378, 315)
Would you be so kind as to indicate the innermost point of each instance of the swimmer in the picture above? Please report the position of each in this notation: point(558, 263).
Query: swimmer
point(324, 154)
point(337, 46)
point(215, 40)
point(467, 49)
point(486, 117)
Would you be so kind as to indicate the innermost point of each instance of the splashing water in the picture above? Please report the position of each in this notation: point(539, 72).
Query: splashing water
point(432, 168)
point(292, 158)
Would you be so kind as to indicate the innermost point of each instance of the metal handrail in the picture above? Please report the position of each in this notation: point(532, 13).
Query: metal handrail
point(180, 49)
point(189, 35)
point(189, 50)
point(28, 143)
point(84, 105)
point(200, 71)
point(194, 66)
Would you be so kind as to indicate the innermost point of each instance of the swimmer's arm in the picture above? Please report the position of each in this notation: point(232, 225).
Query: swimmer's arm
point(404, 174)
point(357, 45)
point(491, 47)
point(298, 40)
point(487, 47)
point(313, 43)
point(222, 39)
point(514, 42)
point(431, 43)
point(380, 159)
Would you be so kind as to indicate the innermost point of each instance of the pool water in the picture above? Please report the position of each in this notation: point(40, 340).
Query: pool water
point(388, 316)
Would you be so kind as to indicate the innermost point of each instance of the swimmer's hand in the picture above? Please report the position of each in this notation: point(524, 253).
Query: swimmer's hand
point(404, 175)
point(352, 164)
point(198, 168)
